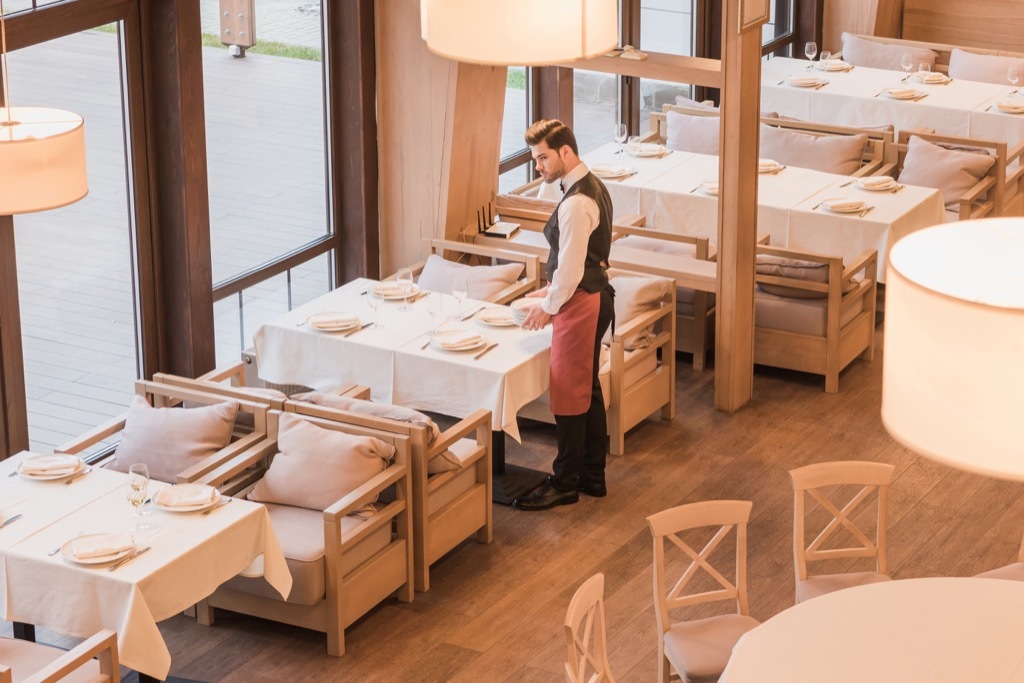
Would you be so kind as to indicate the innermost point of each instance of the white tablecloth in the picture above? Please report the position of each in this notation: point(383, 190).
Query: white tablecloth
point(190, 555)
point(391, 361)
point(855, 98)
point(914, 630)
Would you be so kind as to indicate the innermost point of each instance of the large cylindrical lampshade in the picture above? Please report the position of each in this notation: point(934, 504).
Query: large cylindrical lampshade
point(953, 379)
point(519, 32)
point(42, 160)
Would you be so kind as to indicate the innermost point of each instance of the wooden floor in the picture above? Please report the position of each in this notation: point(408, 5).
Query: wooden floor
point(494, 612)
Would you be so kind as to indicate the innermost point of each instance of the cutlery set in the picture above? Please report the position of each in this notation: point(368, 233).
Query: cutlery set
point(360, 328)
point(131, 556)
point(72, 479)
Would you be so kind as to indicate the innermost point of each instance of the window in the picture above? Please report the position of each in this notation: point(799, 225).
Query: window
point(519, 103)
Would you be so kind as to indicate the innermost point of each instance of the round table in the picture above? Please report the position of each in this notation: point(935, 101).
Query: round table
point(928, 630)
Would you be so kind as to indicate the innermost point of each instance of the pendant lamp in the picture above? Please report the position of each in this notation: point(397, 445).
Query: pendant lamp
point(520, 32)
point(42, 152)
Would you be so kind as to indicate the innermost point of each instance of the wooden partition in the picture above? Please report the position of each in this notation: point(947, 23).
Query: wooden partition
point(990, 24)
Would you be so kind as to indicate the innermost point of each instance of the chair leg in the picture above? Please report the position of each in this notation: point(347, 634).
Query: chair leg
point(335, 639)
point(204, 613)
point(665, 672)
point(832, 383)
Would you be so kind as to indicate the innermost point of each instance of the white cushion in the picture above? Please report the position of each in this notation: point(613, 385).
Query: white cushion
point(700, 649)
point(657, 245)
point(861, 52)
point(635, 295)
point(693, 104)
point(316, 466)
point(485, 282)
point(952, 172)
point(985, 68)
point(840, 154)
point(170, 440)
point(798, 269)
point(697, 134)
point(800, 316)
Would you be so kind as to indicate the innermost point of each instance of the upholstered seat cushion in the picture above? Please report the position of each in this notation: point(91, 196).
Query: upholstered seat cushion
point(841, 154)
point(686, 133)
point(701, 649)
point(1011, 572)
point(170, 440)
point(814, 586)
point(953, 172)
point(802, 316)
point(985, 68)
point(861, 52)
point(656, 245)
point(485, 282)
point(301, 534)
point(24, 658)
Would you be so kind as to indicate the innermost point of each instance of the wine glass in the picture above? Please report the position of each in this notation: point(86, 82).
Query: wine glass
point(434, 304)
point(373, 301)
point(621, 133)
point(810, 49)
point(924, 70)
point(907, 62)
point(460, 289)
point(138, 482)
point(825, 60)
point(1013, 75)
point(404, 280)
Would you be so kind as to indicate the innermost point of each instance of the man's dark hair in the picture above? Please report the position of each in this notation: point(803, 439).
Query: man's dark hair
point(552, 132)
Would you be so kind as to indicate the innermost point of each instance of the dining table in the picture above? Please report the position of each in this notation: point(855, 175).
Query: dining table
point(398, 357)
point(185, 556)
point(858, 97)
point(926, 630)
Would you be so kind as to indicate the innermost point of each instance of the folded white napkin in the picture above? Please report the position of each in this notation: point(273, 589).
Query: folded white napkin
point(711, 187)
point(333, 320)
point(901, 93)
point(186, 495)
point(843, 205)
point(98, 545)
point(50, 464)
point(875, 182)
point(1011, 106)
point(608, 170)
point(388, 288)
point(834, 65)
point(767, 165)
point(930, 77)
point(802, 81)
point(496, 316)
point(651, 148)
point(454, 340)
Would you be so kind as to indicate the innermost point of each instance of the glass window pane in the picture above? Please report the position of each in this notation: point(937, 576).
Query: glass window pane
point(265, 136)
point(510, 180)
point(595, 108)
point(517, 111)
point(75, 280)
point(667, 26)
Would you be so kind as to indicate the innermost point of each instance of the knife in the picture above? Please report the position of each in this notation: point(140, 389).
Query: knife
point(481, 354)
point(74, 478)
point(128, 559)
point(358, 329)
point(472, 313)
point(10, 519)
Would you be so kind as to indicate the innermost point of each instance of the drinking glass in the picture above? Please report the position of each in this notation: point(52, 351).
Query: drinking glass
point(373, 301)
point(1013, 75)
point(907, 62)
point(633, 144)
point(923, 71)
point(621, 133)
point(826, 59)
point(811, 49)
point(138, 483)
point(434, 304)
point(404, 279)
point(460, 289)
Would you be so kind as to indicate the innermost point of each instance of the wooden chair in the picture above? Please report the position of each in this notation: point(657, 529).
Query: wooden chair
point(447, 506)
point(637, 382)
point(585, 635)
point(699, 649)
point(360, 563)
point(250, 423)
point(94, 659)
point(808, 480)
point(788, 327)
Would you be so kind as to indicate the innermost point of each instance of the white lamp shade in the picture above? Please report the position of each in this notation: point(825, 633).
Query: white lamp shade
point(519, 32)
point(42, 160)
point(953, 379)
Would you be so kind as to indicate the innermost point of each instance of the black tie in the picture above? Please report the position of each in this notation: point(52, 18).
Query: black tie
point(561, 186)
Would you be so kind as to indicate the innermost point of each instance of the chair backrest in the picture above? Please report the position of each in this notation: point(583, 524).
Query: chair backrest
point(586, 636)
point(727, 515)
point(871, 477)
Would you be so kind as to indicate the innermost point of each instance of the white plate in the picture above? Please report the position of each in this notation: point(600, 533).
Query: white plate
point(854, 207)
point(805, 82)
point(878, 188)
point(1009, 108)
point(649, 150)
point(768, 166)
point(397, 296)
point(709, 188)
point(440, 337)
point(185, 508)
point(610, 171)
point(505, 322)
point(69, 554)
point(332, 326)
point(931, 79)
point(899, 94)
point(833, 65)
point(52, 476)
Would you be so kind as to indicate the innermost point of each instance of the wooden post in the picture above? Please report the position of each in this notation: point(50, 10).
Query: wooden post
point(737, 204)
point(13, 411)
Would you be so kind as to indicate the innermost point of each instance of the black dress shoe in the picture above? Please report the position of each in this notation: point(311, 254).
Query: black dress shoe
point(546, 497)
point(597, 489)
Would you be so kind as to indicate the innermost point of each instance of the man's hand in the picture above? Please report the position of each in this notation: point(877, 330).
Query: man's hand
point(538, 293)
point(536, 319)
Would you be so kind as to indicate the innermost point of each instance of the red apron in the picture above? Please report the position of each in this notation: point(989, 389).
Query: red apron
point(572, 353)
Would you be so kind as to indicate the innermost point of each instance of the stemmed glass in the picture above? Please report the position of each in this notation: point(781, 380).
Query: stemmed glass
point(907, 62)
point(810, 49)
point(621, 133)
point(138, 483)
point(404, 279)
point(433, 305)
point(460, 289)
point(825, 60)
point(924, 70)
point(1013, 75)
point(373, 301)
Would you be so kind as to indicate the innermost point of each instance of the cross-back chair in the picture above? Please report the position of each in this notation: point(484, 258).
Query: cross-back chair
point(699, 648)
point(94, 660)
point(872, 477)
point(586, 636)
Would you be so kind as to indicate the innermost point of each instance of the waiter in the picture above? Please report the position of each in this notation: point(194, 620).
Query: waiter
point(578, 303)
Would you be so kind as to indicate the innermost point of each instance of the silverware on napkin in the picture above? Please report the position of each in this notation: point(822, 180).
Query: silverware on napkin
point(480, 355)
point(13, 518)
point(129, 558)
point(72, 479)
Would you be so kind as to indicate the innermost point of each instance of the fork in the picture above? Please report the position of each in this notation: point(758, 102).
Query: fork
point(865, 212)
point(218, 505)
point(73, 479)
point(358, 329)
point(10, 519)
point(897, 189)
point(126, 560)
point(480, 355)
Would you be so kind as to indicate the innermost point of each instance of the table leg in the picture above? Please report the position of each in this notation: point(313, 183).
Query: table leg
point(146, 678)
point(510, 481)
point(24, 631)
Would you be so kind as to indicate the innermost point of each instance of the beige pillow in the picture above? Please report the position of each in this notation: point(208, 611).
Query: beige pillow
point(170, 440)
point(985, 68)
point(861, 52)
point(693, 104)
point(485, 282)
point(316, 467)
point(841, 154)
point(697, 134)
point(952, 172)
point(799, 269)
point(654, 244)
point(635, 295)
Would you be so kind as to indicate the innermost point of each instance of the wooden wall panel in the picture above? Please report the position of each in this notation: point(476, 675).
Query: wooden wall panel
point(992, 24)
point(843, 15)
